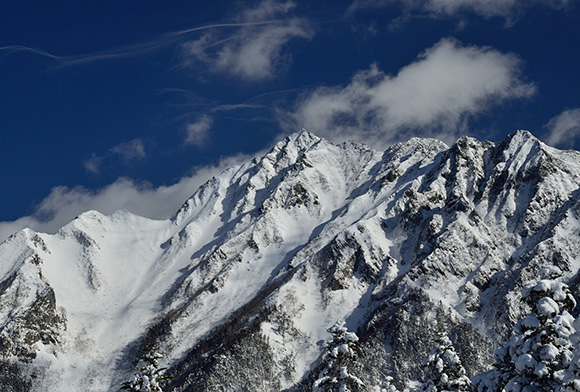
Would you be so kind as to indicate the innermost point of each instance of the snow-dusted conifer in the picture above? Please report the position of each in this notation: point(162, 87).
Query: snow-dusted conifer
point(386, 386)
point(444, 371)
point(339, 360)
point(539, 355)
point(149, 375)
point(572, 375)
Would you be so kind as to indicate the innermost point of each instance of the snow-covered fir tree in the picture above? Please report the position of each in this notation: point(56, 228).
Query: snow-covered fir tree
point(386, 386)
point(444, 371)
point(539, 355)
point(339, 360)
point(149, 375)
point(572, 375)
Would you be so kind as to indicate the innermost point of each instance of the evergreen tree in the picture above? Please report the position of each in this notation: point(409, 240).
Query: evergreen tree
point(539, 355)
point(572, 376)
point(340, 358)
point(149, 375)
point(444, 370)
point(386, 386)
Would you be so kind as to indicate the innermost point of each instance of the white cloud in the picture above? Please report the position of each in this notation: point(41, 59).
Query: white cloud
point(485, 8)
point(63, 204)
point(93, 164)
point(128, 152)
point(135, 149)
point(482, 7)
point(255, 51)
point(433, 96)
point(197, 132)
point(267, 9)
point(564, 128)
point(148, 47)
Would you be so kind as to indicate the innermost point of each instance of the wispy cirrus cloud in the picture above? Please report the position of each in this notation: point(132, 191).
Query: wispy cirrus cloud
point(508, 9)
point(255, 51)
point(200, 115)
point(63, 204)
point(128, 152)
point(564, 128)
point(435, 96)
point(141, 48)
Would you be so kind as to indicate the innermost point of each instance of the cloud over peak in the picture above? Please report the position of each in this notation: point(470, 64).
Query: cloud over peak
point(564, 128)
point(433, 96)
point(63, 204)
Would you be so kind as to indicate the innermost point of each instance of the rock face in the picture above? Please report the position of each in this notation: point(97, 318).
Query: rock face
point(239, 288)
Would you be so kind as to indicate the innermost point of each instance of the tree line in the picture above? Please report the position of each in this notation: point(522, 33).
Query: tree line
point(542, 354)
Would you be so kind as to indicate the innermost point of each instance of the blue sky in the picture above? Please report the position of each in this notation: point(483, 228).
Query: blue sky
point(115, 104)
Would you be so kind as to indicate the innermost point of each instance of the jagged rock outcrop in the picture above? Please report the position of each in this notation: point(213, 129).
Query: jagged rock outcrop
point(240, 287)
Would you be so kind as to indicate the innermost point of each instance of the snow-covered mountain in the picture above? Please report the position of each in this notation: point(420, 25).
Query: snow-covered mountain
point(239, 288)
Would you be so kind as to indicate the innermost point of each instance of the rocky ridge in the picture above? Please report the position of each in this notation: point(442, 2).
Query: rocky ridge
point(239, 288)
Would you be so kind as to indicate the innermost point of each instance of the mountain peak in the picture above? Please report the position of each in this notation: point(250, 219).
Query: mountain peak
point(522, 137)
point(304, 137)
point(297, 141)
point(522, 134)
point(264, 258)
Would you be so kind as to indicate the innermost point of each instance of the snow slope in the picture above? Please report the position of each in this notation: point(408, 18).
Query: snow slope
point(240, 287)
